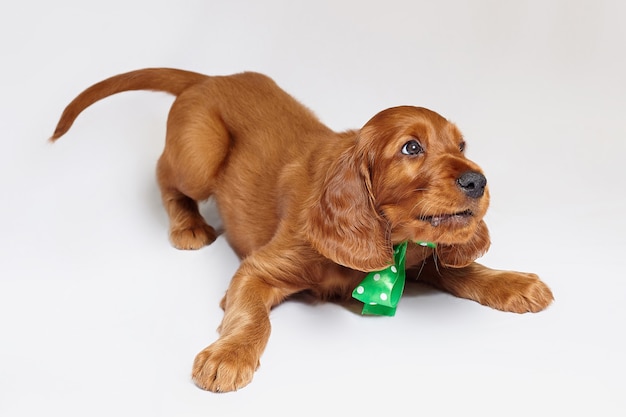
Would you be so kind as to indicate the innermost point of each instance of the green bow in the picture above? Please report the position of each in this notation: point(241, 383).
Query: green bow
point(380, 291)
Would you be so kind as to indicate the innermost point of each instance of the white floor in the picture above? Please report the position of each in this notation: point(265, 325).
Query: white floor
point(99, 316)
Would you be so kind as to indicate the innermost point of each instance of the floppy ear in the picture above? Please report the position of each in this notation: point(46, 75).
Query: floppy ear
point(458, 256)
point(342, 223)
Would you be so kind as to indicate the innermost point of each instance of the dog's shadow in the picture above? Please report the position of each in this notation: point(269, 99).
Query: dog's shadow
point(412, 289)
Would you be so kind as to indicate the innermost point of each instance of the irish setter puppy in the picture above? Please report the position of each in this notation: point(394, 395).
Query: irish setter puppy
point(310, 209)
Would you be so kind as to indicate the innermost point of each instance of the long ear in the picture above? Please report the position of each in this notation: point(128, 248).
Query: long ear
point(342, 223)
point(457, 256)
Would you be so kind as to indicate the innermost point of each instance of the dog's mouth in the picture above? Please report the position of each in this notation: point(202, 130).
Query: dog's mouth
point(460, 217)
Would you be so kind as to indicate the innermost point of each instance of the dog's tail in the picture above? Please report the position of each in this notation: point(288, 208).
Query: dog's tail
point(168, 80)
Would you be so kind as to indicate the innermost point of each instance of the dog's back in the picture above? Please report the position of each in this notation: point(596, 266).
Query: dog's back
point(227, 136)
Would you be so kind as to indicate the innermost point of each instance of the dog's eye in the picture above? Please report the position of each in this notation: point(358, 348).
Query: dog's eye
point(462, 146)
point(412, 147)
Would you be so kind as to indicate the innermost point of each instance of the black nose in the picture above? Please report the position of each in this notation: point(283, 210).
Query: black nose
point(472, 183)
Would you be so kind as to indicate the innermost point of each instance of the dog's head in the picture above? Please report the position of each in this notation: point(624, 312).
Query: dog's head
point(406, 177)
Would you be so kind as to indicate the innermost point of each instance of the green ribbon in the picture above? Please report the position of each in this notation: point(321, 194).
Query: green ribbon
point(380, 291)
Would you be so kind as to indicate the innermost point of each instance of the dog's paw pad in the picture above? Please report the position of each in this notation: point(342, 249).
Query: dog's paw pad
point(535, 297)
point(193, 237)
point(522, 293)
point(225, 369)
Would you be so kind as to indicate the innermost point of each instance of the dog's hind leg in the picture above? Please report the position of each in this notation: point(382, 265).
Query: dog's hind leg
point(197, 144)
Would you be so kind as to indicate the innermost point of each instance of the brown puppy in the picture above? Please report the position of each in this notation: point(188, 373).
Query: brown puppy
point(309, 209)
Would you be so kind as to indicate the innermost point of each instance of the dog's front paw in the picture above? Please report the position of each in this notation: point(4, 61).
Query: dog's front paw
point(518, 292)
point(193, 237)
point(224, 367)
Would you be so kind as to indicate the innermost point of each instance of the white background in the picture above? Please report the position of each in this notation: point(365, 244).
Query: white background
point(100, 316)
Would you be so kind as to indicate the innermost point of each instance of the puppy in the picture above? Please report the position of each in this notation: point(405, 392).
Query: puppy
point(310, 209)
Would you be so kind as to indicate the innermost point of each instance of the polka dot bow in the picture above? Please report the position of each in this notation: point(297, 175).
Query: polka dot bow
point(380, 291)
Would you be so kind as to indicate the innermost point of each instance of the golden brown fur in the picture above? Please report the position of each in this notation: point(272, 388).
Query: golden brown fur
point(309, 209)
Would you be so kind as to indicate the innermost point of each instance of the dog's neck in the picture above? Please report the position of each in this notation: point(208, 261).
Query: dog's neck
point(380, 291)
